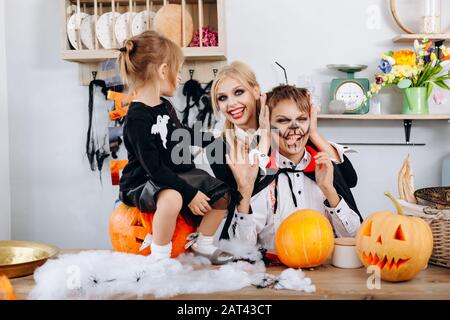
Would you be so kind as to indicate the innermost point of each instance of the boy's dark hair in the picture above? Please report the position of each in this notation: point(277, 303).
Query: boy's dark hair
point(299, 96)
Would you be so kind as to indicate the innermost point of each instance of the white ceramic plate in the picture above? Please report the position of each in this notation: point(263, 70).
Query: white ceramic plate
point(87, 33)
point(105, 29)
point(71, 29)
point(140, 22)
point(123, 27)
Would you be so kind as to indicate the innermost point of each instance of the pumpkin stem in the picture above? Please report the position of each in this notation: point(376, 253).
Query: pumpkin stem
point(396, 204)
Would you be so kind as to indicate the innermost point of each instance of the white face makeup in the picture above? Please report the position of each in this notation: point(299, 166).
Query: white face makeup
point(237, 103)
point(292, 128)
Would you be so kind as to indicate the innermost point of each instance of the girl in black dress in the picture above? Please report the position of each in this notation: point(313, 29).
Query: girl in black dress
point(160, 177)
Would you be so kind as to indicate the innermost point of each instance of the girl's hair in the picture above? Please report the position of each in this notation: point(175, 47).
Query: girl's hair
point(241, 72)
point(299, 96)
point(141, 56)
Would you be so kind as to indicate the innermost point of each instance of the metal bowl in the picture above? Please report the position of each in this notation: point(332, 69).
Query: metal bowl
point(438, 197)
point(21, 258)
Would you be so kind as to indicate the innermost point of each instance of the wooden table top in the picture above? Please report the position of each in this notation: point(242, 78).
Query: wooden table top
point(433, 283)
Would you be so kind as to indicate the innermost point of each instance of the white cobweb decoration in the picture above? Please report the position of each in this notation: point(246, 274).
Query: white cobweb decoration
point(108, 275)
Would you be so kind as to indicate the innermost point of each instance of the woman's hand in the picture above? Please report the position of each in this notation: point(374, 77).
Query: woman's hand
point(264, 125)
point(244, 173)
point(313, 130)
point(199, 205)
point(316, 138)
point(325, 178)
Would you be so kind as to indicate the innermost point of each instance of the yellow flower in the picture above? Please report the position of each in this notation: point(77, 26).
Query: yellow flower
point(375, 88)
point(404, 71)
point(405, 57)
point(390, 77)
point(433, 56)
point(445, 51)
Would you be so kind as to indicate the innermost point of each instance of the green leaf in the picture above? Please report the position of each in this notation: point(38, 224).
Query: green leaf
point(436, 70)
point(442, 84)
point(425, 75)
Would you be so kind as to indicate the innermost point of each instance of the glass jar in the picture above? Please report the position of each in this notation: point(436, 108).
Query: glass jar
point(431, 18)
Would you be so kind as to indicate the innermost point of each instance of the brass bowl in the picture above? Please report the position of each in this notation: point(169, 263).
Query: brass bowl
point(21, 258)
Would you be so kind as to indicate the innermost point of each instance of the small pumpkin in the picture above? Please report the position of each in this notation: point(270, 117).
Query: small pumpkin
point(6, 289)
point(399, 245)
point(304, 239)
point(128, 228)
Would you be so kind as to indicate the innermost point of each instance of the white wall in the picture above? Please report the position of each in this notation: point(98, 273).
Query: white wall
point(55, 197)
point(5, 195)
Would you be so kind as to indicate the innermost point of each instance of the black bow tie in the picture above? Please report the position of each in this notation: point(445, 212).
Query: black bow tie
point(285, 171)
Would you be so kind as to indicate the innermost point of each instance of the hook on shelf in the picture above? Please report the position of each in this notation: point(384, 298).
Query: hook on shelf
point(191, 73)
point(407, 124)
point(215, 72)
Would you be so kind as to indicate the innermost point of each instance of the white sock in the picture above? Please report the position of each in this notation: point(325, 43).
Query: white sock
point(161, 252)
point(204, 244)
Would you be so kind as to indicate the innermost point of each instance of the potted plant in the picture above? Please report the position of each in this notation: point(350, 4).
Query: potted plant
point(416, 72)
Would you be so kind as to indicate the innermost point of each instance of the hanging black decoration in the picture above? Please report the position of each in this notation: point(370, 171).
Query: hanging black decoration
point(199, 97)
point(95, 149)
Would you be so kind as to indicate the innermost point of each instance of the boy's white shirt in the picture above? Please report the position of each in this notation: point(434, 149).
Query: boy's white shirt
point(260, 226)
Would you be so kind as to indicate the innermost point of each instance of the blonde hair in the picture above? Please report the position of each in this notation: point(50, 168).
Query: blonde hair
point(238, 71)
point(141, 56)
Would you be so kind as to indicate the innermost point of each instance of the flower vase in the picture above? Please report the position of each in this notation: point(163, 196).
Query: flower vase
point(415, 100)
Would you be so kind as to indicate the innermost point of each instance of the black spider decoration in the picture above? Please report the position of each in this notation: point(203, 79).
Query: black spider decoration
point(197, 96)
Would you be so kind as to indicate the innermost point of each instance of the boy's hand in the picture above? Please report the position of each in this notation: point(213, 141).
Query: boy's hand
point(199, 205)
point(324, 171)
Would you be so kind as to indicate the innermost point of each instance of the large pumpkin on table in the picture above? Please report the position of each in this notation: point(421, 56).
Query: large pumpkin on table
point(128, 228)
point(399, 245)
point(304, 239)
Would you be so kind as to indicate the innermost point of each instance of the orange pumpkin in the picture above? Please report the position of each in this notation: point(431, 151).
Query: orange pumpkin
point(399, 245)
point(128, 228)
point(304, 239)
point(6, 289)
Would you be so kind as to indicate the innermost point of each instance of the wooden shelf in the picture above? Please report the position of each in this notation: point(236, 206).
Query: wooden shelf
point(385, 116)
point(205, 61)
point(190, 53)
point(408, 38)
point(140, 2)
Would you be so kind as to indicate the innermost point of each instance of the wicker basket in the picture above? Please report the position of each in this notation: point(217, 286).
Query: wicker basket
point(439, 221)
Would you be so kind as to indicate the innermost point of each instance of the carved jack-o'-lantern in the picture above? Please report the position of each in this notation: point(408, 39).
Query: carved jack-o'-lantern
point(130, 231)
point(399, 245)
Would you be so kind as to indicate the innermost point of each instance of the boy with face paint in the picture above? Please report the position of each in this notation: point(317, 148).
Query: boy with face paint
point(304, 177)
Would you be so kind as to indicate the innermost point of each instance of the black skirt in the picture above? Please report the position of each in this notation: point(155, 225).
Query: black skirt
point(144, 196)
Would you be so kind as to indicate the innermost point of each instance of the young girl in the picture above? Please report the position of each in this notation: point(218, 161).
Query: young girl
point(305, 178)
point(237, 96)
point(157, 178)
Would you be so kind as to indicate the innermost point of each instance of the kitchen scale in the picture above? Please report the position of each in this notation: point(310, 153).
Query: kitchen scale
point(350, 90)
